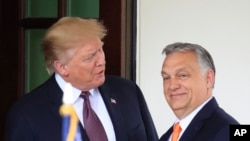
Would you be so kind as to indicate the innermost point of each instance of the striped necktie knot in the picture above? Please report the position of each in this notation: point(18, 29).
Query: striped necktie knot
point(85, 95)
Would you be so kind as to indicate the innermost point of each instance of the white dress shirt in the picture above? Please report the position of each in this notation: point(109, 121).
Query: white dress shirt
point(186, 121)
point(97, 105)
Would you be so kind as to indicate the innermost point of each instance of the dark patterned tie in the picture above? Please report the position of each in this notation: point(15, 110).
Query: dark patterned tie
point(92, 124)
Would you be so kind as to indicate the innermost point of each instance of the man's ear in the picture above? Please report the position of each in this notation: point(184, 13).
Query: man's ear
point(61, 68)
point(210, 78)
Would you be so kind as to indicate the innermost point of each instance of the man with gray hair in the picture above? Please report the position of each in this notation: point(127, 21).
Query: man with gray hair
point(188, 74)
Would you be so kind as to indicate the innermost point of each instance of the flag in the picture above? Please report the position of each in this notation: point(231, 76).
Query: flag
point(113, 100)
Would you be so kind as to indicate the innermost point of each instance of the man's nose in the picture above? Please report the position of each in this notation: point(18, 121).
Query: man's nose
point(174, 84)
point(101, 59)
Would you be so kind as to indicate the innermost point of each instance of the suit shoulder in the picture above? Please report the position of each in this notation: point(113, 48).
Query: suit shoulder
point(219, 120)
point(26, 102)
point(34, 99)
point(224, 117)
point(117, 80)
point(119, 84)
point(216, 114)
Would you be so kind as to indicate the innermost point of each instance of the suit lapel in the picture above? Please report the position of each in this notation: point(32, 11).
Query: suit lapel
point(83, 133)
point(198, 121)
point(112, 105)
point(169, 132)
point(55, 97)
point(191, 131)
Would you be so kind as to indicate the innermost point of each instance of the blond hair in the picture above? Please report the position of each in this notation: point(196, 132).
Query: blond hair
point(64, 34)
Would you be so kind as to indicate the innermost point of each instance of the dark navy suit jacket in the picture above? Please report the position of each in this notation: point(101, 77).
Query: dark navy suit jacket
point(35, 117)
point(210, 124)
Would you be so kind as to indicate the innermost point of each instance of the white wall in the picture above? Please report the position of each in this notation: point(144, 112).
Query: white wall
point(221, 26)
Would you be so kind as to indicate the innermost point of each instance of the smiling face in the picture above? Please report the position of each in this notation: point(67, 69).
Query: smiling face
point(185, 86)
point(86, 67)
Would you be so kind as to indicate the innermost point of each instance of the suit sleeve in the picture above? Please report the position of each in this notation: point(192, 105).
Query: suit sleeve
point(147, 119)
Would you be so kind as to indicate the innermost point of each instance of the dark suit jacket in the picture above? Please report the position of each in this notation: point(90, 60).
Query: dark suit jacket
point(210, 124)
point(35, 117)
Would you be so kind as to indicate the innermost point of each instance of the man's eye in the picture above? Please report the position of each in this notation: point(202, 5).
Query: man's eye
point(90, 57)
point(182, 76)
point(165, 78)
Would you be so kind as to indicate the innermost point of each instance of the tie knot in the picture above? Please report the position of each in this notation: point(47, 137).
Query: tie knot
point(85, 95)
point(177, 127)
point(176, 132)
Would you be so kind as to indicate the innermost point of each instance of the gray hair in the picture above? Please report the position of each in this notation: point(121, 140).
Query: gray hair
point(204, 59)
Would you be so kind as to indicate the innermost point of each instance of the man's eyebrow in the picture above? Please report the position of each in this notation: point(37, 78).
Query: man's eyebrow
point(177, 71)
point(163, 73)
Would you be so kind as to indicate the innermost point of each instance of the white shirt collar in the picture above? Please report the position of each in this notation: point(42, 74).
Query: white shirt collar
point(186, 121)
point(76, 92)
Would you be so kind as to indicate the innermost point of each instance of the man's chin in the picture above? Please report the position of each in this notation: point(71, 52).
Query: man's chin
point(100, 80)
